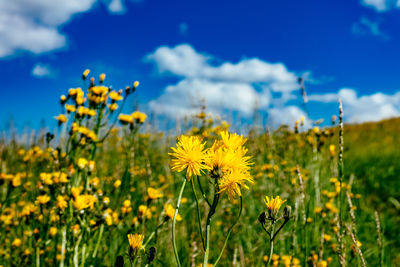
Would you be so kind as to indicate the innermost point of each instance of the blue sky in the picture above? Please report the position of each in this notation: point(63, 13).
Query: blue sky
point(230, 53)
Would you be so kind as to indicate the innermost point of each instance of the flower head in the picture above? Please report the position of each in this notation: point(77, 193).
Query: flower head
point(273, 204)
point(170, 211)
point(154, 193)
point(190, 155)
point(233, 181)
point(135, 241)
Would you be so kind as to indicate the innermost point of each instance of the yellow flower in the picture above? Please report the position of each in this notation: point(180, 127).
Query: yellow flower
point(115, 96)
point(61, 118)
point(136, 241)
point(84, 201)
point(117, 183)
point(273, 204)
point(232, 141)
point(135, 84)
point(170, 211)
point(124, 118)
point(43, 199)
point(82, 163)
point(17, 242)
point(61, 203)
point(190, 155)
point(113, 106)
point(233, 181)
point(154, 193)
point(102, 77)
point(332, 150)
point(139, 116)
point(85, 74)
point(70, 108)
point(53, 231)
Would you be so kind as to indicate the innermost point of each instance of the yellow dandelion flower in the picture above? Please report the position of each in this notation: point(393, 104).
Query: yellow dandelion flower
point(125, 118)
point(102, 77)
point(117, 183)
point(273, 204)
point(232, 141)
point(136, 241)
point(115, 96)
point(190, 155)
point(170, 211)
point(85, 74)
point(61, 118)
point(140, 117)
point(53, 231)
point(43, 199)
point(61, 203)
point(154, 193)
point(82, 163)
point(84, 201)
point(233, 181)
point(16, 243)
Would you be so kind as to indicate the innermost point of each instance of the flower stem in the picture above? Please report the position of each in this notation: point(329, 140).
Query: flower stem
point(208, 224)
point(198, 214)
point(229, 231)
point(174, 220)
point(271, 247)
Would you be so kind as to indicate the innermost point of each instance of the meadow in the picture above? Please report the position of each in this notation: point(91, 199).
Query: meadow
point(107, 188)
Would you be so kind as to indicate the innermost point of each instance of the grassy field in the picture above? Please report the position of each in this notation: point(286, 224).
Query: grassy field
point(103, 190)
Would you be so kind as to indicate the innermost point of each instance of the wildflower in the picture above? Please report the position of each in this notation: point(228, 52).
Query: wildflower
point(102, 77)
point(43, 199)
point(115, 96)
point(113, 106)
point(53, 231)
point(16, 243)
point(327, 238)
point(233, 181)
point(273, 205)
point(139, 116)
point(117, 183)
point(61, 203)
point(61, 119)
point(332, 150)
point(82, 163)
point(190, 155)
point(135, 243)
point(232, 141)
point(170, 211)
point(124, 118)
point(84, 201)
point(85, 74)
point(70, 108)
point(154, 193)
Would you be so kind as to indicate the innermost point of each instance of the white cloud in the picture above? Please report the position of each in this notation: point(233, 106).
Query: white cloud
point(41, 70)
point(225, 86)
point(381, 5)
point(116, 6)
point(33, 25)
point(364, 108)
point(368, 27)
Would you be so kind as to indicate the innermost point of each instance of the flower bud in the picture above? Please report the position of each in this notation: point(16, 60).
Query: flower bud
point(287, 211)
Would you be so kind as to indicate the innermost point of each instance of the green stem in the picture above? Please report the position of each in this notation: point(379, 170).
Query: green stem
point(173, 223)
point(98, 241)
point(271, 248)
point(202, 191)
point(208, 224)
point(63, 245)
point(198, 214)
point(229, 231)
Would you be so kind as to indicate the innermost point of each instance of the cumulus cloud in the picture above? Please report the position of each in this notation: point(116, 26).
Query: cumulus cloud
point(41, 70)
point(381, 5)
point(368, 27)
point(224, 86)
point(33, 25)
point(363, 108)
